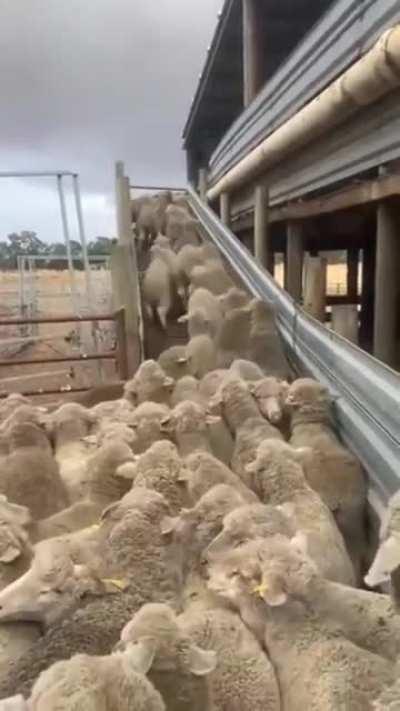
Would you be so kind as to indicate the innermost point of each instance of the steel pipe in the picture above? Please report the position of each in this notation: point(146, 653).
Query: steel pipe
point(373, 76)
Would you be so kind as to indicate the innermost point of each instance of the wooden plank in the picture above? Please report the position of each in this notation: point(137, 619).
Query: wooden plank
point(352, 196)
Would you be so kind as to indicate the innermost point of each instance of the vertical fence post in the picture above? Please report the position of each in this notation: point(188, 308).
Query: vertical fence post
point(122, 344)
point(315, 288)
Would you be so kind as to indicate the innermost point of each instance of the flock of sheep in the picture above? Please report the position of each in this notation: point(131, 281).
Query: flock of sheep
point(198, 544)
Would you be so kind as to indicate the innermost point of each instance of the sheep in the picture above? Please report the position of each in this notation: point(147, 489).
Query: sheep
point(105, 485)
point(265, 345)
point(211, 382)
point(150, 383)
point(389, 699)
point(109, 430)
point(29, 475)
point(158, 289)
point(204, 313)
point(194, 529)
point(234, 298)
point(233, 338)
point(187, 425)
point(244, 677)
point(246, 370)
point(160, 468)
point(146, 424)
point(278, 479)
point(68, 426)
point(211, 275)
point(136, 548)
point(119, 410)
point(270, 395)
point(201, 354)
point(247, 523)
point(188, 257)
point(181, 228)
point(203, 471)
point(249, 436)
point(11, 403)
point(25, 413)
point(331, 470)
point(15, 558)
point(151, 218)
point(187, 388)
point(105, 683)
point(174, 362)
point(178, 666)
point(386, 564)
point(234, 400)
point(316, 665)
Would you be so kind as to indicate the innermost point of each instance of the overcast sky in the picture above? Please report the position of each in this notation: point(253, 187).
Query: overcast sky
point(86, 82)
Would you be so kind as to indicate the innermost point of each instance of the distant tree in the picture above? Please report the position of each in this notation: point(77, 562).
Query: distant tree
point(100, 245)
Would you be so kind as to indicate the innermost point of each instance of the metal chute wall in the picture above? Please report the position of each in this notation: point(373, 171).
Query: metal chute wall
point(367, 392)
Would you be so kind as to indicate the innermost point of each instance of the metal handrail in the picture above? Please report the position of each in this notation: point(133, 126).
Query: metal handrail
point(367, 392)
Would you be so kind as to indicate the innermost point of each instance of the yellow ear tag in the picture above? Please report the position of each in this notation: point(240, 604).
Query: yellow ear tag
point(260, 589)
point(119, 584)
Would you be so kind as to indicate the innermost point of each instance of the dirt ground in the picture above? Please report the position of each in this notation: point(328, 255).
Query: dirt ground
point(53, 298)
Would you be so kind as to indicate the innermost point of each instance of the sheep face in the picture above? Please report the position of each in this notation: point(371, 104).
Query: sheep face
point(174, 362)
point(52, 588)
point(149, 384)
point(14, 539)
point(270, 394)
point(25, 435)
point(247, 523)
point(308, 395)
point(386, 562)
point(274, 570)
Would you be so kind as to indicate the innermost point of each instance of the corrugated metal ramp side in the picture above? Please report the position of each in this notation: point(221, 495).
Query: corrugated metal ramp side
point(367, 392)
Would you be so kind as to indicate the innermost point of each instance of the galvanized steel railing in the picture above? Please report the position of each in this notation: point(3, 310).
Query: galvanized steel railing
point(367, 392)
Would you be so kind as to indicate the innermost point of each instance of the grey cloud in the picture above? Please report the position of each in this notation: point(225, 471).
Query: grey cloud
point(86, 83)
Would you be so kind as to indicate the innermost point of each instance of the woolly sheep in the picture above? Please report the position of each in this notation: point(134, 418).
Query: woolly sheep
point(244, 677)
point(246, 370)
point(187, 425)
point(234, 400)
point(249, 436)
point(234, 298)
point(194, 529)
point(25, 413)
point(211, 275)
point(158, 289)
point(174, 362)
point(316, 666)
point(160, 468)
point(150, 383)
point(205, 471)
point(188, 257)
point(178, 666)
point(247, 523)
point(331, 470)
point(202, 355)
point(203, 308)
point(105, 683)
point(270, 395)
point(136, 547)
point(151, 217)
point(146, 424)
point(386, 564)
point(278, 479)
point(119, 410)
point(29, 475)
point(104, 486)
point(187, 388)
point(68, 426)
point(265, 345)
point(181, 228)
point(211, 382)
point(233, 338)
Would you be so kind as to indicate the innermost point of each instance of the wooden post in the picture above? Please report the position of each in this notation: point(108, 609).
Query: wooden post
point(262, 242)
point(203, 184)
point(345, 321)
point(122, 344)
point(387, 289)
point(123, 205)
point(367, 293)
point(294, 260)
point(125, 290)
point(252, 51)
point(225, 208)
point(315, 287)
point(352, 273)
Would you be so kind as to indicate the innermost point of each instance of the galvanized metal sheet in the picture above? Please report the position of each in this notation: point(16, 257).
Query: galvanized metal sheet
point(345, 32)
point(367, 392)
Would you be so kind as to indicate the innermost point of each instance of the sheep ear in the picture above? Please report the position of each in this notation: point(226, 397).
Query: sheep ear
point(183, 319)
point(183, 476)
point(302, 453)
point(126, 471)
point(10, 553)
point(182, 360)
point(141, 654)
point(272, 593)
point(168, 525)
point(89, 439)
point(200, 661)
point(386, 561)
point(108, 510)
point(168, 383)
point(251, 387)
